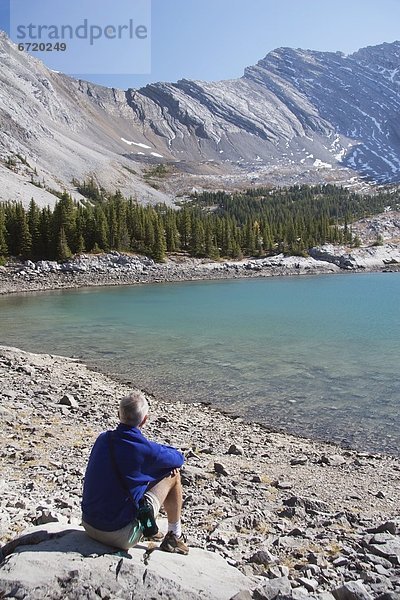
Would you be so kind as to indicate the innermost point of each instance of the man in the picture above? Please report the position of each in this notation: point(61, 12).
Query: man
point(127, 473)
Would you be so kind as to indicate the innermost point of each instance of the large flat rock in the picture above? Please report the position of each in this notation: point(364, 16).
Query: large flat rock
point(74, 566)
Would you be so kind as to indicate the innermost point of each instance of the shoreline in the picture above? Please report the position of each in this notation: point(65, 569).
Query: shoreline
point(183, 270)
point(115, 269)
point(263, 500)
point(168, 398)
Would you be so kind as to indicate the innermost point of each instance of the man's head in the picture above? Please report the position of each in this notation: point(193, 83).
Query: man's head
point(133, 409)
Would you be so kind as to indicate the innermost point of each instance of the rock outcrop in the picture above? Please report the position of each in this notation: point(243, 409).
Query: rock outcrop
point(369, 259)
point(68, 564)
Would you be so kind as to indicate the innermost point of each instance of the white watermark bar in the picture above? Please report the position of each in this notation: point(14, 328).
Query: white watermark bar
point(85, 37)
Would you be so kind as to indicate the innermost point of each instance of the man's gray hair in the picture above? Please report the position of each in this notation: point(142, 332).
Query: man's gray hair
point(133, 409)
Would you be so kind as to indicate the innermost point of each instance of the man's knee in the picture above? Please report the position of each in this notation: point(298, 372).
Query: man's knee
point(177, 475)
point(163, 486)
point(173, 478)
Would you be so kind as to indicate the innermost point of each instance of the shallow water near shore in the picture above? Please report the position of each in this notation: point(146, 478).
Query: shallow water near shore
point(316, 356)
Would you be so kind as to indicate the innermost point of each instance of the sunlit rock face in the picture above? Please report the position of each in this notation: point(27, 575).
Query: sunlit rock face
point(298, 116)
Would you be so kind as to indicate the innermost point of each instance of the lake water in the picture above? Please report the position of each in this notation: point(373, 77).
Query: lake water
point(317, 356)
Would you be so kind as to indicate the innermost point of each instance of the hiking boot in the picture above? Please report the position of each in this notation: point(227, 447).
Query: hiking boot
point(157, 537)
point(173, 544)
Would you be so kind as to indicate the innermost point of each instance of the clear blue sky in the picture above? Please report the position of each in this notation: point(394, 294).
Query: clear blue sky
point(217, 39)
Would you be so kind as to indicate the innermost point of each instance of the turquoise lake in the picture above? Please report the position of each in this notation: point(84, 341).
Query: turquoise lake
point(316, 356)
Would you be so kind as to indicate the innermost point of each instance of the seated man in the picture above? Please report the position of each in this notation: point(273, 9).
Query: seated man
point(126, 470)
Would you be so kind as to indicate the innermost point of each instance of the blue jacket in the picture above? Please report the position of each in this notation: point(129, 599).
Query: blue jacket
point(106, 505)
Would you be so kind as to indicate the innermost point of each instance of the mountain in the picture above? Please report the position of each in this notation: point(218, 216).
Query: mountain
point(298, 116)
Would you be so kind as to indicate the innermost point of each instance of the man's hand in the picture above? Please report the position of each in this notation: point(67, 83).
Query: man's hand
point(174, 472)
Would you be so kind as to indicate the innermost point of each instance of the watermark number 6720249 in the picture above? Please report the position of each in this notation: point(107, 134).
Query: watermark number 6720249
point(42, 47)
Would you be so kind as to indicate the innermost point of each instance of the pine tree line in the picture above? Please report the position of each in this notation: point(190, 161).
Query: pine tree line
point(254, 223)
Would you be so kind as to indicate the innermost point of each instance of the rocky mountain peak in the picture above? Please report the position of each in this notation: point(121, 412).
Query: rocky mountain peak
point(297, 116)
point(383, 59)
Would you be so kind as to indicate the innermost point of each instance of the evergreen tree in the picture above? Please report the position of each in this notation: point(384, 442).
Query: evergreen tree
point(45, 249)
point(83, 228)
point(23, 238)
point(122, 240)
point(64, 217)
point(197, 238)
point(267, 239)
point(63, 250)
point(100, 228)
point(3, 233)
point(149, 233)
point(112, 226)
point(80, 246)
point(211, 249)
point(249, 242)
point(160, 245)
point(171, 233)
point(34, 228)
point(185, 228)
point(226, 238)
point(136, 227)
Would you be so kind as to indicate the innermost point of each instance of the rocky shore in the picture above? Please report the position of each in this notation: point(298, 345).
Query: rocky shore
point(123, 269)
point(291, 517)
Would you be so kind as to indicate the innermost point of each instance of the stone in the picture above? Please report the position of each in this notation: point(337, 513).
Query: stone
point(299, 460)
point(382, 538)
point(288, 513)
point(378, 560)
point(310, 584)
point(309, 504)
point(390, 549)
point(69, 400)
point(66, 566)
point(352, 590)
point(311, 569)
point(190, 474)
point(272, 589)
point(381, 570)
point(244, 595)
point(275, 572)
point(281, 484)
point(296, 532)
point(9, 394)
point(387, 527)
point(340, 561)
point(236, 449)
point(299, 593)
point(263, 557)
point(256, 479)
point(381, 587)
point(46, 516)
point(334, 460)
point(220, 469)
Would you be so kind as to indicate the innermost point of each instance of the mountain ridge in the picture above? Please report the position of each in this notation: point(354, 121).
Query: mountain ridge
point(275, 125)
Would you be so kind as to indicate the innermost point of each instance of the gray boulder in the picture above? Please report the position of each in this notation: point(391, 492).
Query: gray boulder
point(273, 588)
point(69, 400)
point(352, 590)
point(68, 564)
